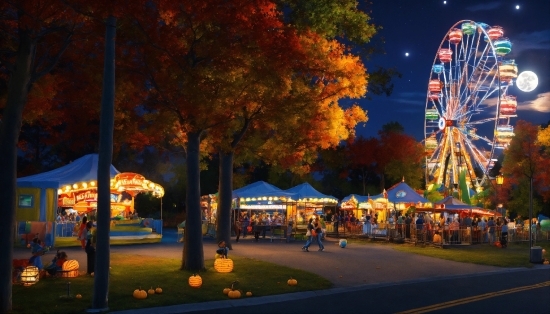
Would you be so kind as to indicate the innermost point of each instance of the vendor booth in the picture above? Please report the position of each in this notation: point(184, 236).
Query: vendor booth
point(311, 203)
point(267, 205)
point(51, 204)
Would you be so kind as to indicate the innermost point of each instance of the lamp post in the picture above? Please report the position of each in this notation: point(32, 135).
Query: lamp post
point(500, 181)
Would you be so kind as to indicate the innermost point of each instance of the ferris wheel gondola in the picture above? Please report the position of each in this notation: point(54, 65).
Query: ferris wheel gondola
point(468, 110)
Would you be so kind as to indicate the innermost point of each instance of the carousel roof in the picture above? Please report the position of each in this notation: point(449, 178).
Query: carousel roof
point(306, 191)
point(82, 169)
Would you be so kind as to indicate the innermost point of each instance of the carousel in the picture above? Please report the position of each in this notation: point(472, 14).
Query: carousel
point(52, 204)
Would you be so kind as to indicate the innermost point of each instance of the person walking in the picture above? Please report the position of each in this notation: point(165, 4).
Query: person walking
point(82, 236)
point(90, 249)
point(238, 228)
point(491, 231)
point(504, 234)
point(319, 231)
point(309, 235)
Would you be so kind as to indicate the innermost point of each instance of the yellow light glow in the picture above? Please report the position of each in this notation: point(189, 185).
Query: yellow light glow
point(75, 186)
point(92, 183)
point(84, 185)
point(59, 191)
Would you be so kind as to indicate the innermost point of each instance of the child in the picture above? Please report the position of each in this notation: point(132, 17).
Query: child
point(37, 251)
point(57, 263)
point(223, 250)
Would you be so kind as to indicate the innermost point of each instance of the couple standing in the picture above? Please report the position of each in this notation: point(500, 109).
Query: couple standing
point(314, 228)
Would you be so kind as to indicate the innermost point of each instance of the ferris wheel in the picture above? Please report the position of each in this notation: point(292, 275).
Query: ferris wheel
point(468, 109)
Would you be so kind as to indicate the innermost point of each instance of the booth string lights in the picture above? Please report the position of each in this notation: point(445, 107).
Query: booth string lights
point(30, 276)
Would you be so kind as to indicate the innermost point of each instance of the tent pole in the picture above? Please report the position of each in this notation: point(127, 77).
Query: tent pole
point(161, 208)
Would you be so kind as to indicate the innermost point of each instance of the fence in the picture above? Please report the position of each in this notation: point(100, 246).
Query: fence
point(433, 234)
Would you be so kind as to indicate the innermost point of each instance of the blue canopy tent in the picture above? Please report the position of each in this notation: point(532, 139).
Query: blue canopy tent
point(260, 189)
point(37, 195)
point(405, 196)
point(305, 191)
point(310, 202)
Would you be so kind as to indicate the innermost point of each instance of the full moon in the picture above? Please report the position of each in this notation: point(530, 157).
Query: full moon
point(406, 54)
point(527, 81)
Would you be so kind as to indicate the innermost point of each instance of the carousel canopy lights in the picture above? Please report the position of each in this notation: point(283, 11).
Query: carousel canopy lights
point(122, 182)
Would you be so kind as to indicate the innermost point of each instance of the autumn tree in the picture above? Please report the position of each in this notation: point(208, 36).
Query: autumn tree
point(399, 156)
point(524, 162)
point(34, 37)
point(361, 154)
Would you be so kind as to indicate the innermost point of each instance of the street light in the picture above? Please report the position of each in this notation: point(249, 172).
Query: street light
point(500, 181)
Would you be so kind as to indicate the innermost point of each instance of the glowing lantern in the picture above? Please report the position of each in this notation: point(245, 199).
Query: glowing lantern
point(445, 55)
point(495, 32)
point(30, 276)
point(70, 268)
point(195, 281)
point(455, 36)
point(435, 86)
point(223, 265)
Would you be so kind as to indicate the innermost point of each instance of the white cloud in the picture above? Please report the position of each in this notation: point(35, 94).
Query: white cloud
point(531, 41)
point(411, 98)
point(539, 104)
point(484, 6)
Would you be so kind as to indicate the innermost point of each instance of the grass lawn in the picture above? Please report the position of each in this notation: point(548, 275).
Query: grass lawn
point(515, 255)
point(129, 272)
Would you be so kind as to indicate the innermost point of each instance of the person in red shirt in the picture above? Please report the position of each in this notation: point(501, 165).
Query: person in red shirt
point(82, 232)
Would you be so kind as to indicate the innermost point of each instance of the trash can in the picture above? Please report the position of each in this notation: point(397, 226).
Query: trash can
point(536, 254)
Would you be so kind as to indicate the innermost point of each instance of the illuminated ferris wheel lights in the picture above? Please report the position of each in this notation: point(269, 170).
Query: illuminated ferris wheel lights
point(468, 72)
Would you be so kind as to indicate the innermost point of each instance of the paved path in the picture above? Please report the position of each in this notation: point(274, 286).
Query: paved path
point(357, 267)
point(357, 264)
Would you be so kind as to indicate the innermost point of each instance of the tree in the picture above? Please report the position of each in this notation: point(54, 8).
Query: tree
point(361, 154)
point(34, 37)
point(399, 156)
point(525, 161)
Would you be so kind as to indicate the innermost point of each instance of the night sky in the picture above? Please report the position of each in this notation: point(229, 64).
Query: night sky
point(418, 27)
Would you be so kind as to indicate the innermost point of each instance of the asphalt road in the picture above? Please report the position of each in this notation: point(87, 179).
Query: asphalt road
point(367, 278)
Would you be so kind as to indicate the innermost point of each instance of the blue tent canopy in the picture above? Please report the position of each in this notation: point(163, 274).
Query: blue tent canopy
point(82, 169)
point(305, 190)
point(403, 193)
point(260, 189)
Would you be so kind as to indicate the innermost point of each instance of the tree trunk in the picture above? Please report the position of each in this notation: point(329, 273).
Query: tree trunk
point(10, 126)
point(101, 271)
point(225, 188)
point(193, 255)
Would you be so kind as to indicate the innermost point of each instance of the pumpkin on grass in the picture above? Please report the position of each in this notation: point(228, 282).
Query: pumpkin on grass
point(226, 290)
point(140, 294)
point(195, 281)
point(151, 291)
point(234, 294)
point(248, 294)
point(223, 265)
point(292, 282)
point(158, 290)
